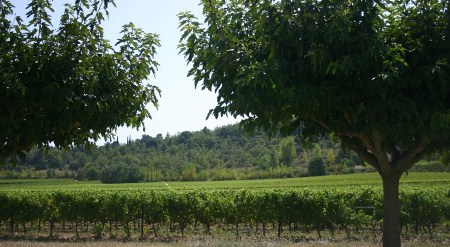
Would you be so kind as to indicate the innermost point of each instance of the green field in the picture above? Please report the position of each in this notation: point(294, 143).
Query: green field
point(263, 208)
point(368, 179)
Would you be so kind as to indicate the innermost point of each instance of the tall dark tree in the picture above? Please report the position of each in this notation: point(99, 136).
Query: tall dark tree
point(287, 151)
point(375, 73)
point(316, 166)
point(68, 85)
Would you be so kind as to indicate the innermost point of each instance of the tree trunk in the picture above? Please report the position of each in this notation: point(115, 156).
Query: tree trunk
point(391, 211)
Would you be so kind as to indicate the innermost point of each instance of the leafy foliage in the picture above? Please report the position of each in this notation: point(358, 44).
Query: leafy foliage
point(221, 154)
point(287, 151)
point(367, 71)
point(121, 173)
point(375, 74)
point(316, 167)
point(224, 153)
point(67, 85)
point(317, 209)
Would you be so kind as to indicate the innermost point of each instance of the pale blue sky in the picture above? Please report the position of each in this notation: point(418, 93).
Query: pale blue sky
point(182, 107)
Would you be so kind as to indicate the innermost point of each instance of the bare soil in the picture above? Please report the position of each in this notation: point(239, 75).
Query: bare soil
point(223, 242)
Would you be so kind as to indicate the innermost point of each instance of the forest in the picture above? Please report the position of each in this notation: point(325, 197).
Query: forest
point(225, 153)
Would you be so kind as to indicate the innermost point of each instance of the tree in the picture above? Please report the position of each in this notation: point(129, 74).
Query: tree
point(330, 157)
point(154, 174)
point(92, 173)
point(287, 151)
point(274, 160)
point(68, 85)
point(121, 173)
point(374, 73)
point(316, 166)
point(189, 173)
point(317, 151)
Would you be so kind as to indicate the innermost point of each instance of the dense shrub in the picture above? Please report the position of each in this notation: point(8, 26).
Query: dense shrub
point(121, 173)
point(316, 167)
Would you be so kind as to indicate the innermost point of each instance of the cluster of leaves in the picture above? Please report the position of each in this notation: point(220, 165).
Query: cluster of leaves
point(374, 73)
point(67, 85)
point(349, 209)
point(364, 70)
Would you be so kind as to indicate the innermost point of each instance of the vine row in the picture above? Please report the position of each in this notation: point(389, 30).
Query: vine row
point(145, 213)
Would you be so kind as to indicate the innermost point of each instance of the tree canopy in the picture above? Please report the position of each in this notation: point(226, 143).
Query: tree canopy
point(220, 154)
point(67, 85)
point(374, 73)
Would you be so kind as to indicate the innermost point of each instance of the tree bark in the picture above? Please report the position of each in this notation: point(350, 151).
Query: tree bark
point(391, 210)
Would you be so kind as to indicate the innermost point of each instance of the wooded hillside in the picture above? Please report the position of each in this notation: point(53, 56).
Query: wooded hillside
point(224, 153)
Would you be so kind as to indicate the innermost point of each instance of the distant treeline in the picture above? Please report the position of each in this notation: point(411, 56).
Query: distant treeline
point(225, 153)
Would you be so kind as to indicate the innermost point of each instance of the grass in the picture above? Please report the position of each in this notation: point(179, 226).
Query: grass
point(366, 179)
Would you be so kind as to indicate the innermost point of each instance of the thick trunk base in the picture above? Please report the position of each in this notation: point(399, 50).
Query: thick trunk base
point(391, 211)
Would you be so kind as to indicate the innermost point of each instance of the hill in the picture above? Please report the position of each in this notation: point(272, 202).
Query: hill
point(224, 153)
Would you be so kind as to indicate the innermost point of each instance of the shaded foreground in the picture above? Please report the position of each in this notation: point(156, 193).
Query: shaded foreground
point(225, 242)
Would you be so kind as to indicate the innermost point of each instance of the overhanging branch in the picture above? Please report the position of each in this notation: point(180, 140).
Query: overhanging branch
point(379, 152)
point(370, 148)
point(351, 138)
point(328, 127)
point(362, 152)
point(413, 155)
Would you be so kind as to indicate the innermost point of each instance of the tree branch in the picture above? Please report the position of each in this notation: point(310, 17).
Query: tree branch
point(362, 153)
point(379, 152)
point(367, 142)
point(413, 155)
point(326, 126)
point(395, 153)
point(320, 122)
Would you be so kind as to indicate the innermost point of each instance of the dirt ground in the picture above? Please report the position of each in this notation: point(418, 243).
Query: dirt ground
point(210, 242)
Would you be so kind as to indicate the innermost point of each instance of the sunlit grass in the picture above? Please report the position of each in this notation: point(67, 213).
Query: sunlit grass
point(367, 179)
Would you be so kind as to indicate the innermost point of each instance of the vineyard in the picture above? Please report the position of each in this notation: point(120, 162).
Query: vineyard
point(413, 179)
point(276, 212)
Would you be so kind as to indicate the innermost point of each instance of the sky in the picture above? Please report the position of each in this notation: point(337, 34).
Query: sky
point(182, 107)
